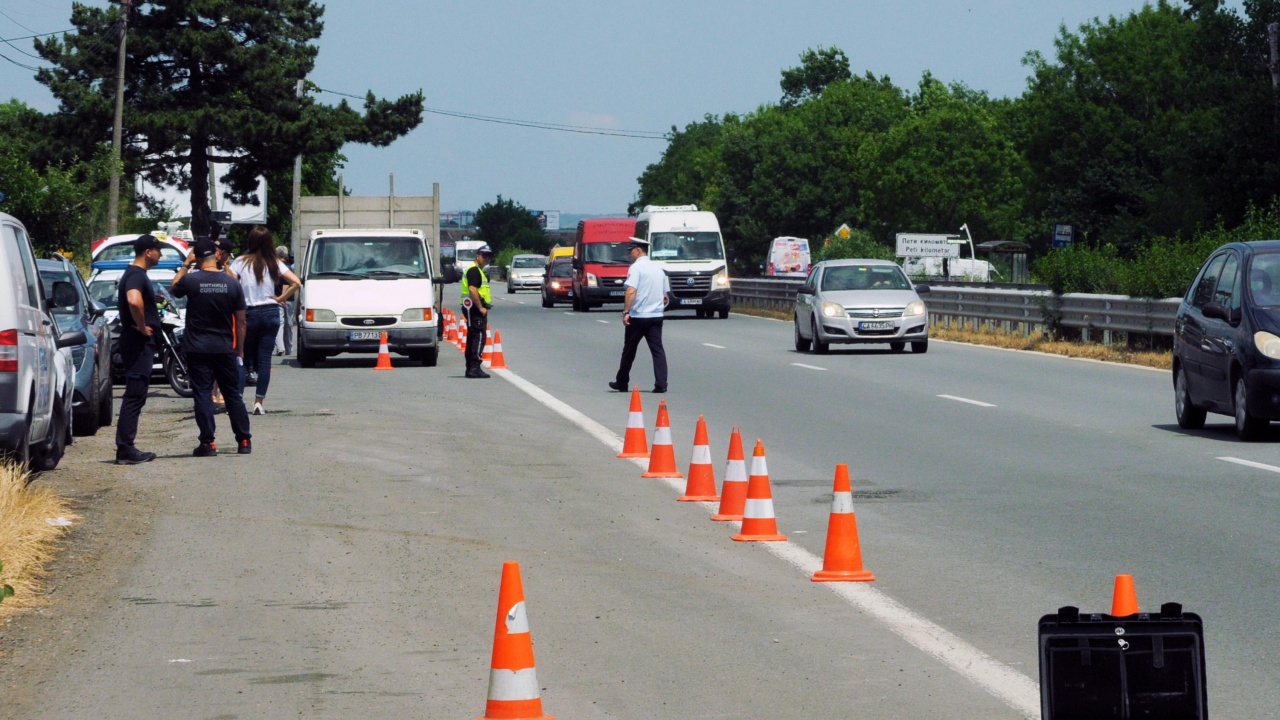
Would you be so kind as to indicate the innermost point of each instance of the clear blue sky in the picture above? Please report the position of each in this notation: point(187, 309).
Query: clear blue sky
point(630, 66)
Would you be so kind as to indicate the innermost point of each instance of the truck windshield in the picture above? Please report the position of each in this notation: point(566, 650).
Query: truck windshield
point(365, 256)
point(618, 253)
point(465, 255)
point(686, 246)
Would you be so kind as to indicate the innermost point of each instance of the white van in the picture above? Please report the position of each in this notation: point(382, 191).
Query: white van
point(686, 243)
point(788, 257)
point(358, 284)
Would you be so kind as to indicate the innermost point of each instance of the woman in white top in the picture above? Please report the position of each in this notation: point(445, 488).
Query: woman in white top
point(268, 284)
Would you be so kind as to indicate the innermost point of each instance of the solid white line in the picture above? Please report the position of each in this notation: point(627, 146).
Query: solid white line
point(979, 403)
point(1014, 689)
point(718, 347)
point(1252, 464)
point(603, 322)
point(809, 367)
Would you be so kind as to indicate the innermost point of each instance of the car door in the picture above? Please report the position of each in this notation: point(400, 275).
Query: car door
point(35, 335)
point(804, 302)
point(1191, 330)
point(1218, 341)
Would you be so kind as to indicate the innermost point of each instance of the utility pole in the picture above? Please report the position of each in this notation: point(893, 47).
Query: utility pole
point(113, 193)
point(296, 243)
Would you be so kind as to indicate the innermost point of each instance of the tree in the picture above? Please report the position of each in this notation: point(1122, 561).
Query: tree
point(507, 223)
point(686, 172)
point(207, 81)
point(818, 69)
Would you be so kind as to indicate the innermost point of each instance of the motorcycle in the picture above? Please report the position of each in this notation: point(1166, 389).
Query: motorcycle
point(169, 345)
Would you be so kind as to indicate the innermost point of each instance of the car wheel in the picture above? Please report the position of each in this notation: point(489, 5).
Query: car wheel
point(51, 455)
point(724, 313)
point(87, 422)
point(1190, 417)
point(430, 357)
point(920, 347)
point(1248, 427)
point(586, 306)
point(511, 290)
point(819, 347)
point(897, 347)
point(106, 405)
point(306, 358)
point(802, 345)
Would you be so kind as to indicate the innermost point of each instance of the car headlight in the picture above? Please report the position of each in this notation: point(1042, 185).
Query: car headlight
point(555, 284)
point(916, 308)
point(592, 280)
point(416, 315)
point(314, 315)
point(830, 309)
point(722, 279)
point(1268, 344)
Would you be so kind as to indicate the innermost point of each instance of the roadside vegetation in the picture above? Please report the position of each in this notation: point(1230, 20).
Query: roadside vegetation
point(32, 519)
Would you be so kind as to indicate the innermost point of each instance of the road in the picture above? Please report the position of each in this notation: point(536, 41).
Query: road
point(351, 564)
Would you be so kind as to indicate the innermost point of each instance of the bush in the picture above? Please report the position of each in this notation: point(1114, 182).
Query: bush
point(859, 244)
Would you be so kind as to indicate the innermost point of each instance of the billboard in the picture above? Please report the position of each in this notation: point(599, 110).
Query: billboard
point(179, 201)
point(912, 245)
point(548, 219)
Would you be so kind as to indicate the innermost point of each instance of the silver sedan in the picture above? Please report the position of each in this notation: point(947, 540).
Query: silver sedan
point(526, 272)
point(860, 301)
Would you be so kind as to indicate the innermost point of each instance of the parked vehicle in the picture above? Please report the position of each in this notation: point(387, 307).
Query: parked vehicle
point(1226, 342)
point(600, 261)
point(104, 289)
point(687, 245)
point(360, 283)
point(526, 272)
point(169, 354)
point(788, 257)
point(558, 286)
point(91, 402)
point(35, 375)
point(119, 248)
point(860, 301)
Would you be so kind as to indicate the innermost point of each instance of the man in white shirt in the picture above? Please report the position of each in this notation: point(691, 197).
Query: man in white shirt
point(648, 292)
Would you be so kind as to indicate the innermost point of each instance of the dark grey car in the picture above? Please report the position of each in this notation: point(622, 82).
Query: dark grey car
point(77, 312)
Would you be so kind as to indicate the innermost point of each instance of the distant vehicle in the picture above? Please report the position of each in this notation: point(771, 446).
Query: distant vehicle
point(788, 257)
point(601, 259)
point(558, 285)
point(464, 252)
point(1226, 342)
point(91, 401)
point(119, 249)
point(686, 243)
point(526, 272)
point(860, 301)
point(35, 372)
point(559, 251)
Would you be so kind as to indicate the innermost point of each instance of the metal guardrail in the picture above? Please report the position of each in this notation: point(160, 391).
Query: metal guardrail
point(1028, 308)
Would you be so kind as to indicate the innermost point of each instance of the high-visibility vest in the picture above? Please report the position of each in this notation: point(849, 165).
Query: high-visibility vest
point(484, 284)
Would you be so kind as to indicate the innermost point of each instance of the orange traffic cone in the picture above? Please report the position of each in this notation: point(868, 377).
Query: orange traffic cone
point(842, 561)
point(462, 338)
point(384, 356)
point(702, 478)
point(498, 362)
point(451, 329)
point(733, 494)
point(662, 461)
point(486, 356)
point(758, 521)
point(513, 677)
point(634, 442)
point(1124, 600)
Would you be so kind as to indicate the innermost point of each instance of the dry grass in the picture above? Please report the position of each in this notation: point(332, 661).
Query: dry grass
point(27, 538)
point(1092, 351)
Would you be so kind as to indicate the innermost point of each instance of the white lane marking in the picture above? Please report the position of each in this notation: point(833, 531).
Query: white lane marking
point(1252, 464)
point(603, 322)
point(1011, 687)
point(809, 367)
point(569, 312)
point(979, 403)
point(718, 347)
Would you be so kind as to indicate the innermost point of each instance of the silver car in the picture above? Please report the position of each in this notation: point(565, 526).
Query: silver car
point(526, 272)
point(860, 301)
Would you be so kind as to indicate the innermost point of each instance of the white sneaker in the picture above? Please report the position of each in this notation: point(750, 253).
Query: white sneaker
point(258, 409)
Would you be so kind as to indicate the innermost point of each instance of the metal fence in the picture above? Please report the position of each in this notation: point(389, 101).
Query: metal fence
point(1015, 310)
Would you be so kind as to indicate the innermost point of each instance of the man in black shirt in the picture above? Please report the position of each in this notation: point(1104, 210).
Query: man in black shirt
point(139, 322)
point(213, 343)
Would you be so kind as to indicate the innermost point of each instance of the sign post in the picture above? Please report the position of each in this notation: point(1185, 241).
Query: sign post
point(1063, 235)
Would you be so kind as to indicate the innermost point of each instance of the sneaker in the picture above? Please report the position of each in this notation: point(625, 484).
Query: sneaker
point(620, 387)
point(258, 409)
point(251, 378)
point(245, 447)
point(133, 456)
point(205, 450)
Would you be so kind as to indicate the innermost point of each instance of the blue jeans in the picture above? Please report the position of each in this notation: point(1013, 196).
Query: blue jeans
point(262, 322)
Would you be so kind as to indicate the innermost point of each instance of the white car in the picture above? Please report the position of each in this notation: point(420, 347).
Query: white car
point(860, 301)
point(526, 272)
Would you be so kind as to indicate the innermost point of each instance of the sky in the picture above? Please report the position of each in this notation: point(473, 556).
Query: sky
point(642, 66)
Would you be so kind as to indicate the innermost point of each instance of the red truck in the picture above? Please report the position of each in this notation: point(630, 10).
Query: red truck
point(600, 261)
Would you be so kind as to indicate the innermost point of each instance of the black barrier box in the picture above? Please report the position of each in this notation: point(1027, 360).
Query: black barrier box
point(1099, 667)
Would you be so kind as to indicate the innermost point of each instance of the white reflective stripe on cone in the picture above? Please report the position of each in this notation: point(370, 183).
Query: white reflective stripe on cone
point(758, 508)
point(735, 470)
point(842, 503)
point(662, 436)
point(635, 420)
point(701, 455)
point(513, 684)
point(759, 466)
point(517, 619)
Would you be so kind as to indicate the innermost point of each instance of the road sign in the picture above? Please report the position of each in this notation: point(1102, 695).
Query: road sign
point(1063, 235)
point(844, 232)
point(914, 245)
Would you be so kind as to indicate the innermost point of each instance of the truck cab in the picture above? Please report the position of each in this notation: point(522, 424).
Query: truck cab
point(686, 243)
point(600, 261)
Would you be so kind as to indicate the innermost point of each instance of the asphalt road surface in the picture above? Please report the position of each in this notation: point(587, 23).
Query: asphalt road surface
point(351, 564)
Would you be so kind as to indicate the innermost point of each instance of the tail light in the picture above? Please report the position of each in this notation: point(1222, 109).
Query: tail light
point(9, 351)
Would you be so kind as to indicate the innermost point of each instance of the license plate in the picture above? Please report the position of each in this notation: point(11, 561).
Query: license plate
point(876, 325)
point(691, 301)
point(617, 293)
point(366, 334)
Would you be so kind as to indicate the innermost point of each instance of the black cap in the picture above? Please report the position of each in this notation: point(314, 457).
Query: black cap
point(205, 248)
point(146, 242)
point(223, 244)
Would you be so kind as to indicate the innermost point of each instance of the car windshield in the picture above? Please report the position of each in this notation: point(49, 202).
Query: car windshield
point(47, 279)
point(561, 269)
point(618, 253)
point(528, 262)
point(864, 277)
point(686, 246)
point(1264, 280)
point(124, 251)
point(104, 292)
point(369, 257)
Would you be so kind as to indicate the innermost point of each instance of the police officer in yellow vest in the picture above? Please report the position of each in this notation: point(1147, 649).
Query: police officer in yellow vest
point(476, 302)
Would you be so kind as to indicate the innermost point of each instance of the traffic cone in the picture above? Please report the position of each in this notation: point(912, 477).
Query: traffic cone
point(462, 338)
point(702, 478)
point(634, 442)
point(1124, 600)
point(498, 362)
point(513, 677)
point(842, 561)
point(662, 460)
point(733, 494)
point(758, 521)
point(486, 356)
point(384, 356)
point(451, 329)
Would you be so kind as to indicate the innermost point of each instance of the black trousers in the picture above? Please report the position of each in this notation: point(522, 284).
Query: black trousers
point(205, 369)
point(137, 353)
point(477, 326)
point(650, 329)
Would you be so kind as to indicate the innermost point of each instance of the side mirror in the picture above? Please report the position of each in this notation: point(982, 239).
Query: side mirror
point(577, 264)
point(922, 289)
point(1216, 310)
point(70, 339)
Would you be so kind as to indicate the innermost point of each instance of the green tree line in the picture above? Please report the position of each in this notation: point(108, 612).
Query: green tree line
point(1154, 134)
